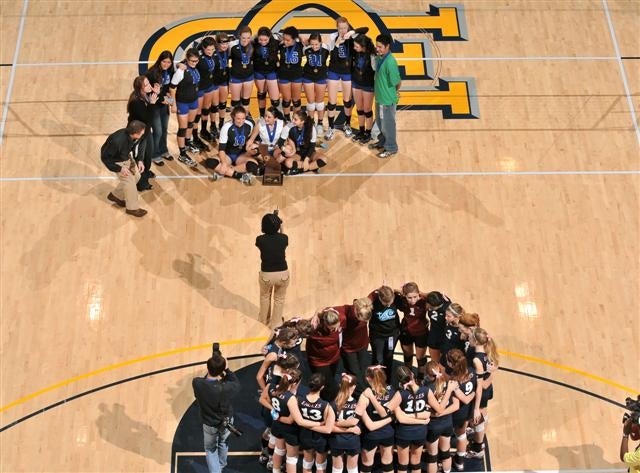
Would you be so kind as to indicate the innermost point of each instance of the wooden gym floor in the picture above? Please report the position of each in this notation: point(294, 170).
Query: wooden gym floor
point(527, 215)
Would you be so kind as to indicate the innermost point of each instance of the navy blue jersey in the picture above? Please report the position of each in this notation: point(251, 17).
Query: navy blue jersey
point(221, 72)
point(411, 405)
point(241, 61)
point(290, 61)
point(186, 83)
point(279, 403)
point(206, 67)
point(304, 149)
point(450, 341)
point(313, 411)
point(438, 421)
point(265, 58)
point(345, 441)
point(362, 72)
point(467, 387)
point(340, 57)
point(233, 139)
point(315, 69)
point(436, 318)
point(387, 430)
point(484, 359)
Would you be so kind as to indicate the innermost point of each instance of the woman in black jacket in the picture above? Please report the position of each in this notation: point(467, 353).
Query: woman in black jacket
point(141, 101)
point(160, 73)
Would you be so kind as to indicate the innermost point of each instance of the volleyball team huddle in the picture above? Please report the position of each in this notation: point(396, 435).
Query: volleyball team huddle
point(281, 66)
point(371, 407)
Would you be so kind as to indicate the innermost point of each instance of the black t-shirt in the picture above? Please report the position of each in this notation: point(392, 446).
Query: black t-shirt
point(385, 321)
point(272, 251)
point(214, 397)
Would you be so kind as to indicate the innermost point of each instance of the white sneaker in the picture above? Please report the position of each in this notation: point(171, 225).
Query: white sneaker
point(216, 177)
point(319, 129)
point(329, 134)
point(247, 178)
point(348, 132)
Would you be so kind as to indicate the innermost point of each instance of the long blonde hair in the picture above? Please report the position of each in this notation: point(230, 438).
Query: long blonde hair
point(436, 371)
point(363, 307)
point(347, 382)
point(377, 379)
point(483, 339)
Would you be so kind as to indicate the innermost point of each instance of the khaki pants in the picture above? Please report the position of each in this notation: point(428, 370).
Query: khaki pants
point(276, 283)
point(126, 189)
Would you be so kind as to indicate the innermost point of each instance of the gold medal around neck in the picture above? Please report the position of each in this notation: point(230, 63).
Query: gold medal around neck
point(315, 71)
point(244, 66)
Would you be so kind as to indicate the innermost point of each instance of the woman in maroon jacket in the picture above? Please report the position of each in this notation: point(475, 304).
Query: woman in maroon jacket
point(323, 350)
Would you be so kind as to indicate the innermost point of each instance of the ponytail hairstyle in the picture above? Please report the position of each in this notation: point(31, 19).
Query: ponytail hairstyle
point(342, 19)
point(456, 310)
point(377, 379)
point(308, 125)
point(435, 299)
point(483, 339)
point(138, 92)
point(287, 362)
point(365, 42)
point(328, 317)
point(435, 371)
point(347, 382)
point(304, 328)
point(316, 382)
point(289, 379)
point(470, 320)
point(405, 378)
point(458, 363)
point(283, 335)
point(386, 295)
point(363, 308)
point(275, 112)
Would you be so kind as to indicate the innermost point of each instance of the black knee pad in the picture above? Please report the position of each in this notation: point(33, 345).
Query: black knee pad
point(432, 458)
point(189, 124)
point(205, 112)
point(197, 118)
point(408, 359)
point(423, 361)
point(275, 103)
point(321, 163)
point(387, 467)
point(348, 103)
point(360, 112)
point(252, 167)
point(331, 106)
point(236, 103)
point(444, 455)
point(366, 468)
point(402, 467)
point(415, 466)
point(286, 103)
point(222, 105)
point(211, 163)
point(262, 96)
point(245, 102)
point(182, 132)
point(368, 114)
point(297, 103)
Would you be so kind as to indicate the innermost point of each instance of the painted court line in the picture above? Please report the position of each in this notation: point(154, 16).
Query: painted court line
point(634, 119)
point(12, 74)
point(351, 174)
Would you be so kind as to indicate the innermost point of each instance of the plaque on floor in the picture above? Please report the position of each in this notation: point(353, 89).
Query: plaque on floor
point(272, 173)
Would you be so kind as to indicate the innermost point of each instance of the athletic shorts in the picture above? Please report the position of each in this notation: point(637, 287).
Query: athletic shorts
point(364, 88)
point(211, 88)
point(370, 444)
point(233, 157)
point(336, 76)
point(287, 432)
point(266, 75)
point(440, 429)
point(183, 108)
point(237, 80)
point(404, 443)
point(406, 339)
point(338, 452)
point(311, 81)
point(310, 440)
point(296, 80)
point(462, 415)
point(435, 340)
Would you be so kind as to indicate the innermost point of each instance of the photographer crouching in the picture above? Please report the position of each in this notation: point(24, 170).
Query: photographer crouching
point(214, 393)
point(630, 457)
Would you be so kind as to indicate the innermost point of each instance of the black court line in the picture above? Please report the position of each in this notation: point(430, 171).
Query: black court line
point(6, 65)
point(630, 57)
point(243, 357)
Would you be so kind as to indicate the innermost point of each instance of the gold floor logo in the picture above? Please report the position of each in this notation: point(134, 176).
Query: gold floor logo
point(455, 97)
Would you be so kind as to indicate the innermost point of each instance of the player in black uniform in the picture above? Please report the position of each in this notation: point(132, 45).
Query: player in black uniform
point(207, 68)
point(452, 338)
point(345, 438)
point(221, 80)
point(384, 327)
point(313, 441)
point(314, 78)
point(184, 90)
point(265, 63)
point(466, 392)
point(413, 415)
point(485, 363)
point(283, 406)
point(233, 160)
point(468, 321)
point(300, 147)
point(290, 70)
point(443, 403)
point(241, 76)
point(378, 403)
point(362, 75)
point(437, 304)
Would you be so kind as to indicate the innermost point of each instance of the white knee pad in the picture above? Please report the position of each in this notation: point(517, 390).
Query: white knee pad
point(305, 464)
point(480, 427)
point(319, 106)
point(337, 470)
point(462, 437)
point(272, 439)
point(292, 460)
point(311, 107)
point(352, 470)
point(276, 470)
point(321, 466)
point(281, 452)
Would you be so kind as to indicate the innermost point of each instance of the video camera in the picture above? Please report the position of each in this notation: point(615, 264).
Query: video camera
point(633, 406)
point(226, 422)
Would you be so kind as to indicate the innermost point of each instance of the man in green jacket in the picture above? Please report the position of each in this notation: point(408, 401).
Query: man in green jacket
point(387, 92)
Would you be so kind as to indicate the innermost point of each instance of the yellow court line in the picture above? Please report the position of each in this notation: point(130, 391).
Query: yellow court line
point(258, 339)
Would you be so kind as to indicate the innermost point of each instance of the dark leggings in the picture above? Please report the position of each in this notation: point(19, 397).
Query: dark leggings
point(356, 363)
point(145, 151)
point(330, 387)
point(382, 353)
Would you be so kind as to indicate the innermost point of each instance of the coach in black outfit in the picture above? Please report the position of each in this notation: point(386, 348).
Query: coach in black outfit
point(214, 394)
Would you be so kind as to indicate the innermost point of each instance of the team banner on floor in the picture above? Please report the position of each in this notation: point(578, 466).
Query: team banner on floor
point(455, 97)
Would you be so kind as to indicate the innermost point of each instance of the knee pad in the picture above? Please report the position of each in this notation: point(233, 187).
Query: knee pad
point(262, 95)
point(236, 103)
point(189, 125)
point(337, 470)
point(366, 468)
point(297, 103)
point(182, 132)
point(205, 112)
point(286, 103)
point(321, 163)
point(211, 163)
point(252, 167)
point(422, 361)
point(222, 105)
point(387, 467)
point(281, 452)
point(360, 112)
point(403, 467)
point(275, 103)
point(368, 114)
point(321, 466)
point(305, 464)
point(331, 106)
point(292, 460)
point(319, 106)
point(408, 359)
point(480, 427)
point(442, 456)
point(415, 466)
point(462, 437)
point(311, 107)
point(198, 116)
point(432, 458)
point(347, 103)
point(245, 102)
point(351, 470)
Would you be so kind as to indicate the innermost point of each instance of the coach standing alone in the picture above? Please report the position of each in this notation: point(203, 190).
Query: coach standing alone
point(387, 93)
